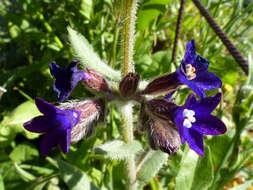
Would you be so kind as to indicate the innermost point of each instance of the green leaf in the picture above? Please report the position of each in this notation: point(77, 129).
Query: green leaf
point(85, 53)
point(21, 114)
point(221, 141)
point(23, 152)
point(243, 186)
point(118, 150)
point(86, 8)
point(74, 178)
point(150, 165)
point(2, 183)
point(250, 75)
point(195, 172)
point(26, 176)
point(13, 122)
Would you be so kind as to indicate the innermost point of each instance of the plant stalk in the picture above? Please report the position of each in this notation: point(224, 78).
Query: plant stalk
point(128, 137)
point(128, 17)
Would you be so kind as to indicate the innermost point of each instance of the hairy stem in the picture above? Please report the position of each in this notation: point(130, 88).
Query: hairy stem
point(128, 137)
point(128, 16)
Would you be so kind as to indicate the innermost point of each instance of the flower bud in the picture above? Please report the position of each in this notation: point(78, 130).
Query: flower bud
point(163, 136)
point(162, 108)
point(162, 84)
point(95, 81)
point(129, 84)
point(91, 112)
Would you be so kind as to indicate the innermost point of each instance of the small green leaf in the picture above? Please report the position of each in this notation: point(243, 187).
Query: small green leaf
point(86, 8)
point(26, 176)
point(13, 122)
point(151, 164)
point(85, 53)
point(2, 183)
point(250, 76)
point(118, 150)
point(74, 178)
point(195, 172)
point(21, 114)
point(23, 152)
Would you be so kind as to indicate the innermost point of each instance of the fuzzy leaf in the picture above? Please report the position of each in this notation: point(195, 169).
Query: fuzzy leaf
point(195, 172)
point(85, 53)
point(118, 150)
point(73, 177)
point(151, 164)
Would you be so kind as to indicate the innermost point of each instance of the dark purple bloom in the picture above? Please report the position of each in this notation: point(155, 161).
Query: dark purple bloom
point(194, 120)
point(193, 72)
point(66, 78)
point(56, 123)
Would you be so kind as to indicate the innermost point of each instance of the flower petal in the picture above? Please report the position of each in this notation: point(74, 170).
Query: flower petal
point(44, 107)
point(195, 141)
point(209, 125)
point(190, 52)
point(201, 64)
point(207, 80)
point(64, 140)
point(65, 79)
point(179, 120)
point(39, 124)
point(191, 100)
point(206, 105)
point(195, 88)
point(48, 142)
point(55, 70)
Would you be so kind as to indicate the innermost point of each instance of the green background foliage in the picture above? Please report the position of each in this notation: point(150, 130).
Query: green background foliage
point(34, 33)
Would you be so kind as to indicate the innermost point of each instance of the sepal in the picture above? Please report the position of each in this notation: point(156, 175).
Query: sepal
point(95, 81)
point(128, 85)
point(162, 84)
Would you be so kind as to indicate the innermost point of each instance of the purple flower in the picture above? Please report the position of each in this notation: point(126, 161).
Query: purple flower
point(65, 79)
point(194, 119)
point(193, 72)
point(56, 123)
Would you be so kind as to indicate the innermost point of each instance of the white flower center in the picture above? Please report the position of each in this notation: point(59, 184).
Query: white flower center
point(190, 72)
point(188, 118)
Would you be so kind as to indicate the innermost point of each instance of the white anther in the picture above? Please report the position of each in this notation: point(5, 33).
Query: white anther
point(188, 118)
point(75, 115)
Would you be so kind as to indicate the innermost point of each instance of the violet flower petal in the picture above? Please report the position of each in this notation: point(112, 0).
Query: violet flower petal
point(44, 107)
point(65, 79)
point(206, 105)
point(190, 52)
point(195, 141)
point(179, 119)
point(65, 140)
point(39, 124)
point(207, 81)
point(209, 125)
point(48, 142)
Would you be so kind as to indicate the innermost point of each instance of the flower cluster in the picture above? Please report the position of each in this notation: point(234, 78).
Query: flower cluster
point(167, 124)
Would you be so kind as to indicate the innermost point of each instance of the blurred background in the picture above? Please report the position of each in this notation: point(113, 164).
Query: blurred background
point(33, 33)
